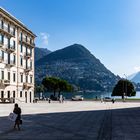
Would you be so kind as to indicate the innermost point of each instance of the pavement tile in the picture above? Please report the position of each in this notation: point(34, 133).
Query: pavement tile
point(74, 121)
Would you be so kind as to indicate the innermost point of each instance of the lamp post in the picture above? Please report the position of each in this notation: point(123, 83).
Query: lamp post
point(125, 86)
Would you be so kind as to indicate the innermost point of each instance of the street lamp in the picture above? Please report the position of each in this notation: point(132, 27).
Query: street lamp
point(125, 86)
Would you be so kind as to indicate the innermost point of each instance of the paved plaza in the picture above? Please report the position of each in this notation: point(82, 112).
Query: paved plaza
point(84, 120)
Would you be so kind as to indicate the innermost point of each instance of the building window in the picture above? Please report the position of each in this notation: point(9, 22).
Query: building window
point(30, 97)
point(26, 78)
point(8, 58)
point(31, 79)
point(30, 52)
point(21, 36)
point(31, 64)
point(31, 41)
point(2, 24)
point(8, 94)
point(21, 78)
point(14, 31)
point(1, 38)
point(14, 44)
point(26, 64)
point(21, 61)
point(2, 75)
point(14, 77)
point(26, 97)
point(26, 50)
point(14, 94)
point(2, 55)
point(20, 93)
point(8, 42)
point(14, 57)
point(8, 75)
point(2, 94)
point(21, 48)
point(9, 28)
point(26, 39)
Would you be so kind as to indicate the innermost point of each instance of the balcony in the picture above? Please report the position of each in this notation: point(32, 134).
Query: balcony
point(26, 42)
point(10, 48)
point(27, 69)
point(27, 55)
point(11, 64)
point(27, 85)
point(6, 82)
point(6, 31)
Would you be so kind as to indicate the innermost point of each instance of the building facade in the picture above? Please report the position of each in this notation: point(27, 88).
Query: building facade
point(16, 59)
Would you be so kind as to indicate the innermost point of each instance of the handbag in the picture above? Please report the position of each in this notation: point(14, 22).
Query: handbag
point(12, 116)
point(20, 122)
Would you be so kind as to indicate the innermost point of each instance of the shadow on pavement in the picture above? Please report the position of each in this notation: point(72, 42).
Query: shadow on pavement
point(116, 124)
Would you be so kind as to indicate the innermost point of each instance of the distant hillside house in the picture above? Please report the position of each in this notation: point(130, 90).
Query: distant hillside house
point(16, 59)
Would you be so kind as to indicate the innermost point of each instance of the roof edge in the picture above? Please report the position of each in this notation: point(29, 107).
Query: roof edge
point(16, 20)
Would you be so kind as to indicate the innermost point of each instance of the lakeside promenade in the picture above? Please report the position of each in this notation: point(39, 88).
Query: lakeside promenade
point(73, 120)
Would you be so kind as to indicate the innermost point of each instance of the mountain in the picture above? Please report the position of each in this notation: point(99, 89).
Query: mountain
point(78, 66)
point(40, 52)
point(135, 77)
point(131, 76)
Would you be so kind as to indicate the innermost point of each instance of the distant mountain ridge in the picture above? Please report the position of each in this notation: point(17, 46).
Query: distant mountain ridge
point(78, 66)
point(131, 76)
point(40, 53)
point(135, 77)
point(75, 51)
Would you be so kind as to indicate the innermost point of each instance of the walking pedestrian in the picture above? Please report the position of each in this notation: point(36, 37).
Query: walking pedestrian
point(113, 100)
point(61, 99)
point(18, 121)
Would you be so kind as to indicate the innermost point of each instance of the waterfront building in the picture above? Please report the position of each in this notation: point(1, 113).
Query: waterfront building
point(16, 59)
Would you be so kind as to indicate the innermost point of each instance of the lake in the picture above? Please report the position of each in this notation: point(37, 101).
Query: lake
point(89, 95)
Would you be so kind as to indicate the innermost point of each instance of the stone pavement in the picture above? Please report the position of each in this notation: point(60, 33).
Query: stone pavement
point(75, 121)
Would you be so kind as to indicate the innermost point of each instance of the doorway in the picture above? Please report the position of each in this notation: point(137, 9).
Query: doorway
point(30, 97)
point(26, 96)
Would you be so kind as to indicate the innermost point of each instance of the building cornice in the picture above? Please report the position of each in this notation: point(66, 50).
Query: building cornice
point(16, 21)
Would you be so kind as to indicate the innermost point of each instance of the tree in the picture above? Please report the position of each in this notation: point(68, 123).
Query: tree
point(124, 88)
point(63, 86)
point(51, 83)
point(39, 88)
point(55, 84)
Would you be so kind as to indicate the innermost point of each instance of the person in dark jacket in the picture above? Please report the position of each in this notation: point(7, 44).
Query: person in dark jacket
point(17, 110)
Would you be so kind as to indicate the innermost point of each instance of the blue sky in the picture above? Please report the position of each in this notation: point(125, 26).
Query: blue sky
point(110, 29)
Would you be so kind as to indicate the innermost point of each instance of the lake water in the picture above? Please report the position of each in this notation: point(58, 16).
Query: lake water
point(90, 95)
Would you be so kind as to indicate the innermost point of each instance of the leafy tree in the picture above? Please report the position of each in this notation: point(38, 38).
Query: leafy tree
point(51, 83)
point(63, 86)
point(39, 88)
point(55, 84)
point(124, 88)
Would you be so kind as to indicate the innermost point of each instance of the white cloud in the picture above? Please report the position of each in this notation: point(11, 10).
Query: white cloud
point(45, 38)
point(137, 68)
